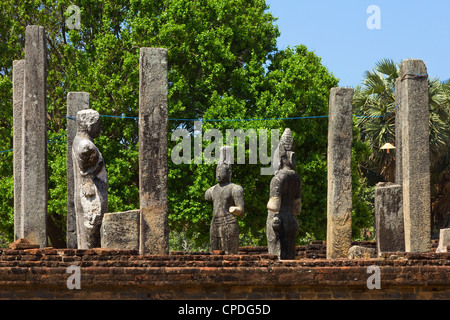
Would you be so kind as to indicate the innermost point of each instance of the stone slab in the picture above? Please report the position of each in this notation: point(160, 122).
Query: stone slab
point(444, 240)
point(120, 230)
point(389, 225)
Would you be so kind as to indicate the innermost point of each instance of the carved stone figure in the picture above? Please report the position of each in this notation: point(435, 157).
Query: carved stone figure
point(91, 182)
point(228, 202)
point(285, 201)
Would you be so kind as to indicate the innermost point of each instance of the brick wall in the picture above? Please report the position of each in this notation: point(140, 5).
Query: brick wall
point(252, 274)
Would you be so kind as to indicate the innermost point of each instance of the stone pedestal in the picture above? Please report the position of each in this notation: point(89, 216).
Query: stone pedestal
point(389, 224)
point(415, 155)
point(34, 138)
point(153, 151)
point(120, 230)
point(76, 101)
point(339, 198)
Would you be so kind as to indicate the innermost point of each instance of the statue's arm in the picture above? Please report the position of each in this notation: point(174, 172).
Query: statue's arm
point(298, 200)
point(274, 203)
point(208, 194)
point(238, 197)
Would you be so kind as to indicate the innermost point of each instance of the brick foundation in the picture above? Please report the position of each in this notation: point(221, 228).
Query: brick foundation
point(252, 274)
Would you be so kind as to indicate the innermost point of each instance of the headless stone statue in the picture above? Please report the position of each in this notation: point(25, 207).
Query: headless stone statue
point(228, 202)
point(285, 201)
point(91, 182)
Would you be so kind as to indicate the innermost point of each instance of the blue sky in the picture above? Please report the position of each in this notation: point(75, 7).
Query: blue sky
point(337, 32)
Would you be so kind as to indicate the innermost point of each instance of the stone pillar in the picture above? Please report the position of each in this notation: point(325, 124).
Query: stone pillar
point(389, 224)
point(120, 230)
point(34, 138)
point(398, 131)
point(415, 155)
point(153, 151)
point(76, 101)
point(339, 197)
point(18, 70)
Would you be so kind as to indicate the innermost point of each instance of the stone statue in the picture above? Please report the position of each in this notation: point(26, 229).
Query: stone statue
point(228, 202)
point(285, 201)
point(90, 179)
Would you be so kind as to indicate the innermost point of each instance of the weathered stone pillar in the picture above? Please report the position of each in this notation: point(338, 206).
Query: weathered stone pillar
point(398, 131)
point(76, 101)
point(339, 197)
point(34, 138)
point(153, 151)
point(415, 155)
point(18, 71)
point(389, 224)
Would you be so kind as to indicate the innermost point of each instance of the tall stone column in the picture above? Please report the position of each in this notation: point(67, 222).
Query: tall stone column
point(153, 151)
point(398, 131)
point(34, 138)
point(18, 71)
point(339, 197)
point(76, 101)
point(415, 155)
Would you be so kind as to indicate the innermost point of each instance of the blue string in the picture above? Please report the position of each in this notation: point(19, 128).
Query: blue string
point(52, 140)
point(261, 119)
point(218, 120)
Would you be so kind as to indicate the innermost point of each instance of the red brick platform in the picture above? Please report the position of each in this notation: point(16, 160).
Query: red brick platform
point(252, 274)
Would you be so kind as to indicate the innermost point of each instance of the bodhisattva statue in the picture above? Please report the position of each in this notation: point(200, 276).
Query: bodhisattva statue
point(91, 182)
point(228, 202)
point(285, 201)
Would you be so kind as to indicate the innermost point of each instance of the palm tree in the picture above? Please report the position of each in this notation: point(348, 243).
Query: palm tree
point(374, 103)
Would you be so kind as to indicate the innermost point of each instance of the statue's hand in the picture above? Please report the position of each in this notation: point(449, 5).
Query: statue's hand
point(237, 211)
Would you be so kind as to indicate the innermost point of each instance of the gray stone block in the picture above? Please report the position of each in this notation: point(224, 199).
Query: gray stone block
point(444, 240)
point(120, 230)
point(389, 224)
point(359, 252)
